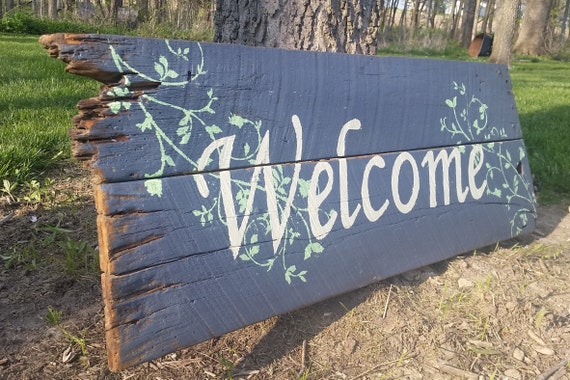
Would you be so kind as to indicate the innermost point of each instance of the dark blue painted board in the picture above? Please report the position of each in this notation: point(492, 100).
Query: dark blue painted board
point(274, 179)
point(266, 87)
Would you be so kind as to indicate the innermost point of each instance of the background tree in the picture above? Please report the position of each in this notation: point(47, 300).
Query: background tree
point(530, 40)
point(52, 9)
point(564, 22)
point(348, 26)
point(456, 9)
point(506, 23)
point(488, 16)
point(469, 10)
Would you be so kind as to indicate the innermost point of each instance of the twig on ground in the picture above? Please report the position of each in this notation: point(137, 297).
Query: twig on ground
point(450, 370)
point(374, 369)
point(387, 301)
point(552, 370)
point(6, 218)
point(303, 357)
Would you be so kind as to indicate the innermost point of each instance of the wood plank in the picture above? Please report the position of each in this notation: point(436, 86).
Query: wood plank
point(233, 89)
point(238, 183)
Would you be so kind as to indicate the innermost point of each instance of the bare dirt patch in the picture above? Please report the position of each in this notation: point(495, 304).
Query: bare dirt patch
point(500, 312)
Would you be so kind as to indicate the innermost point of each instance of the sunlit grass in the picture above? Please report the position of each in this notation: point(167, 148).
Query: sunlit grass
point(542, 93)
point(37, 102)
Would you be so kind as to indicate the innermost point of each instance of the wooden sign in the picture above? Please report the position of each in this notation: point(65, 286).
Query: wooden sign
point(238, 183)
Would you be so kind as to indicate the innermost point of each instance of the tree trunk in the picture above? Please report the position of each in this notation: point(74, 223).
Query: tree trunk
point(564, 20)
point(436, 7)
point(142, 15)
point(564, 23)
point(455, 16)
point(334, 25)
point(530, 40)
point(415, 14)
point(114, 9)
point(489, 11)
point(52, 9)
point(158, 10)
point(403, 18)
point(507, 14)
point(468, 20)
point(9, 5)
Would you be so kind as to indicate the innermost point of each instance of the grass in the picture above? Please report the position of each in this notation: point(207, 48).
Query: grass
point(37, 103)
point(542, 93)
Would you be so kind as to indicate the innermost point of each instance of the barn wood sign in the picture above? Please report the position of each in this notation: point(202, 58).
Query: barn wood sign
point(238, 183)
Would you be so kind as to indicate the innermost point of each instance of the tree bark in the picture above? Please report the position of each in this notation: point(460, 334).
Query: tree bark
point(52, 9)
point(489, 11)
point(455, 15)
point(564, 20)
point(9, 5)
point(506, 23)
point(114, 9)
point(468, 20)
point(142, 15)
point(347, 26)
point(530, 40)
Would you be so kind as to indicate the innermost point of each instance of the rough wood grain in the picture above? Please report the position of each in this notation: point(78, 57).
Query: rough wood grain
point(238, 183)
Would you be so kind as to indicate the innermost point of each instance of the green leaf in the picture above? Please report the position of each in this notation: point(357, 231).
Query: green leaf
point(254, 250)
point(146, 124)
point(182, 131)
point(244, 257)
point(159, 69)
point(313, 248)
point(304, 187)
point(154, 187)
point(168, 160)
point(185, 139)
point(213, 129)
point(184, 121)
point(237, 120)
point(451, 103)
point(172, 74)
point(270, 264)
point(254, 239)
point(246, 149)
point(115, 107)
point(210, 93)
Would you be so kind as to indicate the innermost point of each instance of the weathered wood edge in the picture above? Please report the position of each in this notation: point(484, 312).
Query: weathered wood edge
point(54, 44)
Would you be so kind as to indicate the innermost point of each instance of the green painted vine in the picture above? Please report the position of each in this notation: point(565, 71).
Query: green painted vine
point(468, 124)
point(193, 122)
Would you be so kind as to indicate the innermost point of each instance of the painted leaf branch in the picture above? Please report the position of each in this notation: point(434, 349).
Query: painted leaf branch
point(178, 146)
point(469, 121)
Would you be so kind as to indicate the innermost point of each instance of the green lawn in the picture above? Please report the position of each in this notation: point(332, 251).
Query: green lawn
point(542, 93)
point(38, 100)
